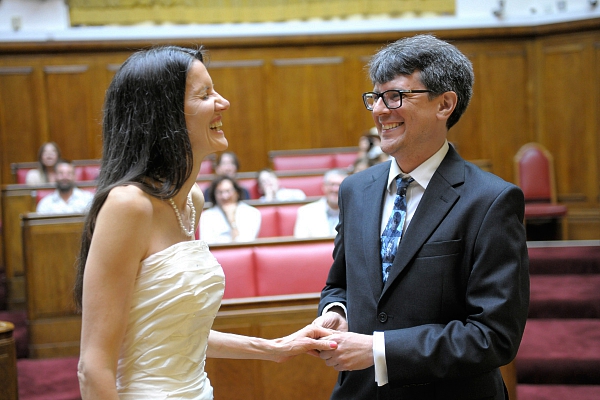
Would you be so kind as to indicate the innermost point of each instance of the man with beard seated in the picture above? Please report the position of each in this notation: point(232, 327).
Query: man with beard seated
point(66, 198)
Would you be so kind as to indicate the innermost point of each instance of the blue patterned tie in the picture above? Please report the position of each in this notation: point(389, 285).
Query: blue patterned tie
point(390, 238)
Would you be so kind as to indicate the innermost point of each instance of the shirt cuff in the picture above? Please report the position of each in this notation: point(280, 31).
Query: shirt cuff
point(381, 374)
point(334, 304)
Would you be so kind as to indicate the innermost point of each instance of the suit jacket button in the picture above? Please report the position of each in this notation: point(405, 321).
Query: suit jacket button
point(382, 317)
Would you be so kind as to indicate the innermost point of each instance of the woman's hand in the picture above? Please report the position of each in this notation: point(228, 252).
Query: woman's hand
point(306, 340)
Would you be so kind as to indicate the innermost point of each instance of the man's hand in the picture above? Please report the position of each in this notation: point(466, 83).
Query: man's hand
point(333, 319)
point(310, 340)
point(354, 351)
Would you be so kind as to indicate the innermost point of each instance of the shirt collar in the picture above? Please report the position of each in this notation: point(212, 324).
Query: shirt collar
point(423, 173)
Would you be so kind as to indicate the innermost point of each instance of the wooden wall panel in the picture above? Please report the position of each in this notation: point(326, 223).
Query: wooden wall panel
point(595, 100)
point(243, 84)
point(71, 115)
point(467, 134)
point(22, 117)
point(566, 113)
point(302, 105)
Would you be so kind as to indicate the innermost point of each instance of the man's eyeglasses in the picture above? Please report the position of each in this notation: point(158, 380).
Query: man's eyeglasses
point(391, 98)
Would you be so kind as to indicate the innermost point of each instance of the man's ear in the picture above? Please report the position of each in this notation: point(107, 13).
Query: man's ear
point(446, 104)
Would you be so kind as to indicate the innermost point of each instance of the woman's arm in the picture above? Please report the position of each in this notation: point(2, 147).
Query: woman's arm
point(119, 244)
point(306, 340)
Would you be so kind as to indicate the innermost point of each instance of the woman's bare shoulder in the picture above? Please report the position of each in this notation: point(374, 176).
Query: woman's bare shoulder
point(129, 201)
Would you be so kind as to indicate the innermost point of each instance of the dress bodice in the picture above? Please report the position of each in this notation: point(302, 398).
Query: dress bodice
point(176, 297)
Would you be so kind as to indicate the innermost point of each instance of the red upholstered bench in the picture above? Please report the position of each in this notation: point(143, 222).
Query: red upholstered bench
point(251, 185)
point(278, 220)
point(88, 172)
point(311, 185)
point(344, 160)
point(303, 162)
point(274, 268)
point(240, 272)
point(269, 223)
point(293, 268)
point(22, 174)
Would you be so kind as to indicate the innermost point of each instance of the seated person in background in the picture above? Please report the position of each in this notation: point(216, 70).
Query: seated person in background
point(319, 219)
point(228, 165)
point(48, 156)
point(360, 164)
point(67, 198)
point(268, 187)
point(229, 219)
point(367, 142)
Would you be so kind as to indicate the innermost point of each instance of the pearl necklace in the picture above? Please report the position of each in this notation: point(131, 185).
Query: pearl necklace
point(190, 203)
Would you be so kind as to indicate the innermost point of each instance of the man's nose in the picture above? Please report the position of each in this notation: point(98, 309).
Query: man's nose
point(379, 107)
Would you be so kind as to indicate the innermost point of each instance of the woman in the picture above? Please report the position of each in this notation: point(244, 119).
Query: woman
point(48, 156)
point(148, 292)
point(229, 220)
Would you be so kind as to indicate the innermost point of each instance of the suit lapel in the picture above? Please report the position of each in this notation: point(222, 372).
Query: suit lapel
point(439, 197)
point(373, 195)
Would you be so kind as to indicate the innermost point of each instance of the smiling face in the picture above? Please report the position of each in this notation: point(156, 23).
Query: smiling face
point(49, 155)
point(203, 108)
point(416, 130)
point(225, 193)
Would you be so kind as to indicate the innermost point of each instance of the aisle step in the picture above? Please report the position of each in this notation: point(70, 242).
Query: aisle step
point(565, 296)
point(560, 351)
point(558, 392)
point(564, 258)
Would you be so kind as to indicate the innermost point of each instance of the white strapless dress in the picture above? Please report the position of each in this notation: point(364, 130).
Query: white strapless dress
point(177, 295)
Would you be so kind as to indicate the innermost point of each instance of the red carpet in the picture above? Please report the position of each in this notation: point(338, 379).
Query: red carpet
point(48, 379)
point(558, 392)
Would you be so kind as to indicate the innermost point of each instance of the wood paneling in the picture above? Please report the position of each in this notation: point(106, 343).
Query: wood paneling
point(532, 84)
point(22, 113)
point(566, 113)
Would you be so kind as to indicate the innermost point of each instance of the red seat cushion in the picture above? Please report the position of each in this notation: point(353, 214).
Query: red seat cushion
point(287, 218)
point(206, 167)
point(311, 185)
point(269, 223)
point(303, 162)
point(344, 160)
point(22, 174)
point(238, 266)
point(290, 269)
point(544, 210)
point(41, 193)
point(251, 185)
point(90, 172)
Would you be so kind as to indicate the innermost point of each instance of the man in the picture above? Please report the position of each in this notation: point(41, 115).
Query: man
point(66, 198)
point(439, 319)
point(319, 218)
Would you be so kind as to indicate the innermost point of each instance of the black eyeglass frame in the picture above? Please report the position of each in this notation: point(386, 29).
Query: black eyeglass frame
point(380, 96)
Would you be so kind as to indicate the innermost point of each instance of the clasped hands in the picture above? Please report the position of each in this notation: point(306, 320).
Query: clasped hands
point(340, 349)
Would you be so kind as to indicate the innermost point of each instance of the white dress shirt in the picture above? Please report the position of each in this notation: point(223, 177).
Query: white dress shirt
point(421, 175)
point(79, 202)
point(214, 227)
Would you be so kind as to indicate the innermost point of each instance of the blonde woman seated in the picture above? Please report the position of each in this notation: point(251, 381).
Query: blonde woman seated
point(229, 219)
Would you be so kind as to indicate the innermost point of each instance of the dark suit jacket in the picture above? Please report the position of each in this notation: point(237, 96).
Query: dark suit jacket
point(455, 303)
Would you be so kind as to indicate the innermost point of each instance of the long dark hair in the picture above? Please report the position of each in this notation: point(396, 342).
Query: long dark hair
point(145, 139)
